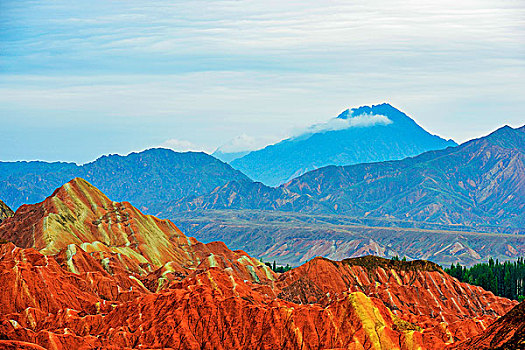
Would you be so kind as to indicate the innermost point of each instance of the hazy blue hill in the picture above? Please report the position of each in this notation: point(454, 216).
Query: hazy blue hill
point(228, 156)
point(30, 182)
point(479, 183)
point(24, 167)
point(361, 135)
point(145, 178)
point(158, 175)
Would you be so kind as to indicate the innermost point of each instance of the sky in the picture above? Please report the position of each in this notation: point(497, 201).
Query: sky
point(82, 79)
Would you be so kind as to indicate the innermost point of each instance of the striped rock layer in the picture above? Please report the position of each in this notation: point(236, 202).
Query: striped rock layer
point(84, 272)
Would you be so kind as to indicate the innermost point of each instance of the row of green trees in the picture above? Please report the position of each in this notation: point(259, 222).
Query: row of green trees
point(503, 279)
point(276, 268)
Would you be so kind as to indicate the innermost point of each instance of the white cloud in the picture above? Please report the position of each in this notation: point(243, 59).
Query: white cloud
point(210, 108)
point(183, 146)
point(362, 120)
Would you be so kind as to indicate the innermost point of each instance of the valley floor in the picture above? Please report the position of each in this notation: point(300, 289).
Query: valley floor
point(294, 238)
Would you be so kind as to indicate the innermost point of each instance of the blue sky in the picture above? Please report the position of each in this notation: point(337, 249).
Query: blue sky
point(81, 79)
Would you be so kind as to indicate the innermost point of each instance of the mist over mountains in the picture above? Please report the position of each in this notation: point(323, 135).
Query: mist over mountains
point(359, 135)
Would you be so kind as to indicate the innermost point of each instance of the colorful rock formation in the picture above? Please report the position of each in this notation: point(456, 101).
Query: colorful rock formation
point(506, 333)
point(84, 272)
point(418, 292)
point(119, 236)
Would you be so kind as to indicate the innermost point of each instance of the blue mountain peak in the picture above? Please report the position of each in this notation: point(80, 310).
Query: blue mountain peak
point(346, 114)
point(386, 109)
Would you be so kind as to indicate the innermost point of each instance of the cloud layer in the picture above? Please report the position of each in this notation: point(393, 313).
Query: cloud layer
point(183, 146)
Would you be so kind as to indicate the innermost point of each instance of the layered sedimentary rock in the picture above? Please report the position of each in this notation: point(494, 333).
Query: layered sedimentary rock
point(119, 236)
point(507, 333)
point(204, 318)
point(418, 292)
point(84, 272)
point(18, 345)
point(212, 308)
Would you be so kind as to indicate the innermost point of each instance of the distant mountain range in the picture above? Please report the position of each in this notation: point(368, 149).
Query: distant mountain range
point(447, 200)
point(479, 184)
point(156, 177)
point(360, 135)
point(146, 178)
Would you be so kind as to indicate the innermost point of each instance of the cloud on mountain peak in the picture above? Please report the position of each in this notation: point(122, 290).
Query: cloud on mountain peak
point(362, 120)
point(184, 146)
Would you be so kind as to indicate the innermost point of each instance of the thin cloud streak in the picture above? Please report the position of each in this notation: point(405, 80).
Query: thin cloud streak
point(335, 124)
point(249, 28)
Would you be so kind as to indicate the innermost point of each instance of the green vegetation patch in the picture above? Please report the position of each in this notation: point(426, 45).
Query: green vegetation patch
point(503, 279)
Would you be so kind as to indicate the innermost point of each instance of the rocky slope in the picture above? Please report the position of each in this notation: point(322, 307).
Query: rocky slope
point(214, 308)
point(5, 211)
point(417, 291)
point(78, 217)
point(507, 333)
point(90, 273)
point(360, 135)
point(146, 178)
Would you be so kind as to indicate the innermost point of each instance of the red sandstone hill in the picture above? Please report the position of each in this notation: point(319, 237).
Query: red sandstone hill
point(78, 218)
point(84, 272)
point(507, 333)
point(418, 292)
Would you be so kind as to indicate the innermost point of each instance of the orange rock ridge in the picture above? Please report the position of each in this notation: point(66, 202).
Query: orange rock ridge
point(508, 332)
point(417, 291)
